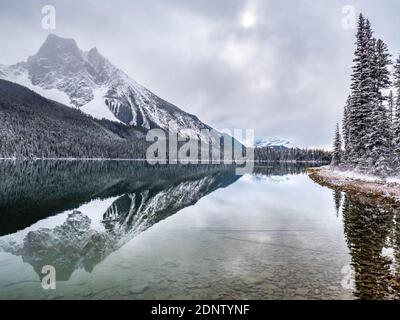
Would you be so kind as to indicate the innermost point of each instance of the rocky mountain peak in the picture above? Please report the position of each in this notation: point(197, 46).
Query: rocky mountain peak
point(90, 82)
point(57, 58)
point(58, 50)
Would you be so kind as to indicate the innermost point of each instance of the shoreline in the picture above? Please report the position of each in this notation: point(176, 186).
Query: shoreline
point(358, 184)
point(141, 160)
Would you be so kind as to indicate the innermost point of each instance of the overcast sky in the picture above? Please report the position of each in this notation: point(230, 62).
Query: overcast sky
point(281, 67)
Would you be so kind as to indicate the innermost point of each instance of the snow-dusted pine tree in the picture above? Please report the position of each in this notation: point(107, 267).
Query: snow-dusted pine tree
point(337, 148)
point(390, 115)
point(379, 136)
point(371, 119)
point(382, 73)
point(396, 141)
point(359, 114)
point(396, 117)
point(345, 130)
point(390, 101)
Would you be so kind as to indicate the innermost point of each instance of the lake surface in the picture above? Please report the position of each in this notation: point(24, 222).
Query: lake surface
point(127, 230)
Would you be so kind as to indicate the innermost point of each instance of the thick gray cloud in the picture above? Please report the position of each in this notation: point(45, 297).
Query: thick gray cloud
point(281, 67)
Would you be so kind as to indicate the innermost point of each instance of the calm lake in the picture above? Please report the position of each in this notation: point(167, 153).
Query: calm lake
point(128, 230)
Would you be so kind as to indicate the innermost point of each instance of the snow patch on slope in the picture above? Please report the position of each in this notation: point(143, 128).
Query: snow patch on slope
point(21, 77)
point(97, 108)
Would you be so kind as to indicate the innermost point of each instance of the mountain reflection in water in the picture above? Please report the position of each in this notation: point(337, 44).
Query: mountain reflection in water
point(141, 195)
point(274, 234)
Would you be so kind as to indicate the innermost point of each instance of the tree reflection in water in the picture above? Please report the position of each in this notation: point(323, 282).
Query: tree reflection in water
point(373, 236)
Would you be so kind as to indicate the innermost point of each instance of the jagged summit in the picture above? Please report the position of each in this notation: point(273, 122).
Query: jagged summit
point(61, 71)
point(55, 45)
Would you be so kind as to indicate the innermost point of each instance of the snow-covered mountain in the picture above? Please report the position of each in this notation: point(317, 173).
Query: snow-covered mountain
point(86, 80)
point(275, 142)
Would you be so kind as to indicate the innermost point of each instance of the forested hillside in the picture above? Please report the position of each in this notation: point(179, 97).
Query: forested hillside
point(34, 127)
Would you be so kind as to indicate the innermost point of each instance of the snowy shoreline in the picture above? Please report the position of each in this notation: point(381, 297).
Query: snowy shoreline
point(357, 183)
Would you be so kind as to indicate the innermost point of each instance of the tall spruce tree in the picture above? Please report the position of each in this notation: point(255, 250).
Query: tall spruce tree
point(382, 73)
point(345, 130)
point(371, 119)
point(337, 148)
point(396, 117)
point(366, 125)
point(390, 101)
point(396, 141)
point(363, 94)
point(379, 137)
point(390, 116)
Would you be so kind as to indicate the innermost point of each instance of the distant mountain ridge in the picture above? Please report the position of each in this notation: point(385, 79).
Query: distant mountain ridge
point(88, 81)
point(275, 142)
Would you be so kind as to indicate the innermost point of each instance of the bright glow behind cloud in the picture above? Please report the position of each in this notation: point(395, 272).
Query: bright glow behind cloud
point(248, 19)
